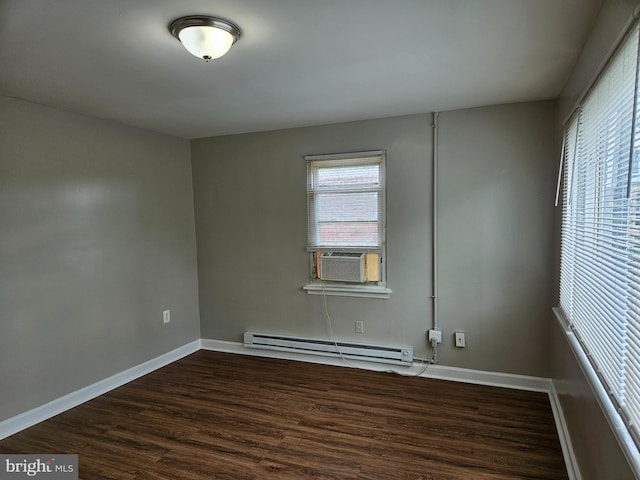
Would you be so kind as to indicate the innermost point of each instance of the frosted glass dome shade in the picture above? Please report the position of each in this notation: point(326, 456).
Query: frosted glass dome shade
point(205, 37)
point(206, 42)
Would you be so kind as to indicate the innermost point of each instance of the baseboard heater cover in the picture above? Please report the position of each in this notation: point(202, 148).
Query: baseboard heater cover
point(350, 350)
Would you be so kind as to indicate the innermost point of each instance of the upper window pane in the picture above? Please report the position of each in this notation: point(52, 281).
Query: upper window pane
point(345, 199)
point(350, 177)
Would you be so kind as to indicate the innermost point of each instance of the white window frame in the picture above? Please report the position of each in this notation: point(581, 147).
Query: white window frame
point(600, 260)
point(323, 287)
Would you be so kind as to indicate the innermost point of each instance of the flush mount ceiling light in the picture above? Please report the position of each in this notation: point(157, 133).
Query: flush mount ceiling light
point(205, 37)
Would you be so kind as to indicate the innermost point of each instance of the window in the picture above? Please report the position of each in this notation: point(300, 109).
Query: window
point(346, 223)
point(600, 252)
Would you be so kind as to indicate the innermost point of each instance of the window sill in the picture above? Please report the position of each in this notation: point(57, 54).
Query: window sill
point(609, 410)
point(364, 291)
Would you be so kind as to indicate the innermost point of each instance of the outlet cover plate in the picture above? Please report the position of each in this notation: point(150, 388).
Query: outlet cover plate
point(435, 335)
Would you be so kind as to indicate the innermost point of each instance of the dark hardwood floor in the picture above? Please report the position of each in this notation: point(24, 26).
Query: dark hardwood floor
point(222, 416)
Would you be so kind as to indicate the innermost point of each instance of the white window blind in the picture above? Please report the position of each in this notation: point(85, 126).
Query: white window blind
point(600, 252)
point(345, 196)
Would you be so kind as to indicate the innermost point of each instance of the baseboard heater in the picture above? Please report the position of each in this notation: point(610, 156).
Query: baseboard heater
point(350, 350)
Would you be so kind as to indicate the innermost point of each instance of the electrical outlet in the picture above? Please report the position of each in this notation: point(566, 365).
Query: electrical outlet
point(359, 326)
point(435, 335)
point(461, 341)
point(166, 316)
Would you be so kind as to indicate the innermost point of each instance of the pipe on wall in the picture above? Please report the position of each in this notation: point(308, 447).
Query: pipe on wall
point(434, 234)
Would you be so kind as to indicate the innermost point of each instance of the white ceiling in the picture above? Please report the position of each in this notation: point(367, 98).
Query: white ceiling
point(298, 62)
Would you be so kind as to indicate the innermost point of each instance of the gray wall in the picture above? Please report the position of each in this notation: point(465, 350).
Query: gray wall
point(97, 239)
point(598, 454)
point(251, 217)
point(496, 219)
point(250, 208)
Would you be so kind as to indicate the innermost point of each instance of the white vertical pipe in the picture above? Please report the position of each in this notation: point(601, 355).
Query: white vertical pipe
point(434, 224)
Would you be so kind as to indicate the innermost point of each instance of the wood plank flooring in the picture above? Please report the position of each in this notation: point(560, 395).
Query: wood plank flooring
point(221, 416)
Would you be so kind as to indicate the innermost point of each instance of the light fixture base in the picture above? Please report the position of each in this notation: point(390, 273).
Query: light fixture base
point(204, 21)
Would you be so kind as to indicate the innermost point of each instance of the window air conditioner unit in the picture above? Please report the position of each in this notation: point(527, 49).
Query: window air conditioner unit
point(342, 267)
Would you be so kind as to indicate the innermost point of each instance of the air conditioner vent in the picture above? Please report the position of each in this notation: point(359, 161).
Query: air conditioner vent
point(342, 267)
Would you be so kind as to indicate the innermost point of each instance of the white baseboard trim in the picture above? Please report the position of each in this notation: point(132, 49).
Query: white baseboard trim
point(492, 379)
point(27, 419)
point(466, 375)
point(570, 459)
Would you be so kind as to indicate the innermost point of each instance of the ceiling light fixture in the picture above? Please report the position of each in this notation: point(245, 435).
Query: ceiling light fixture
point(205, 37)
